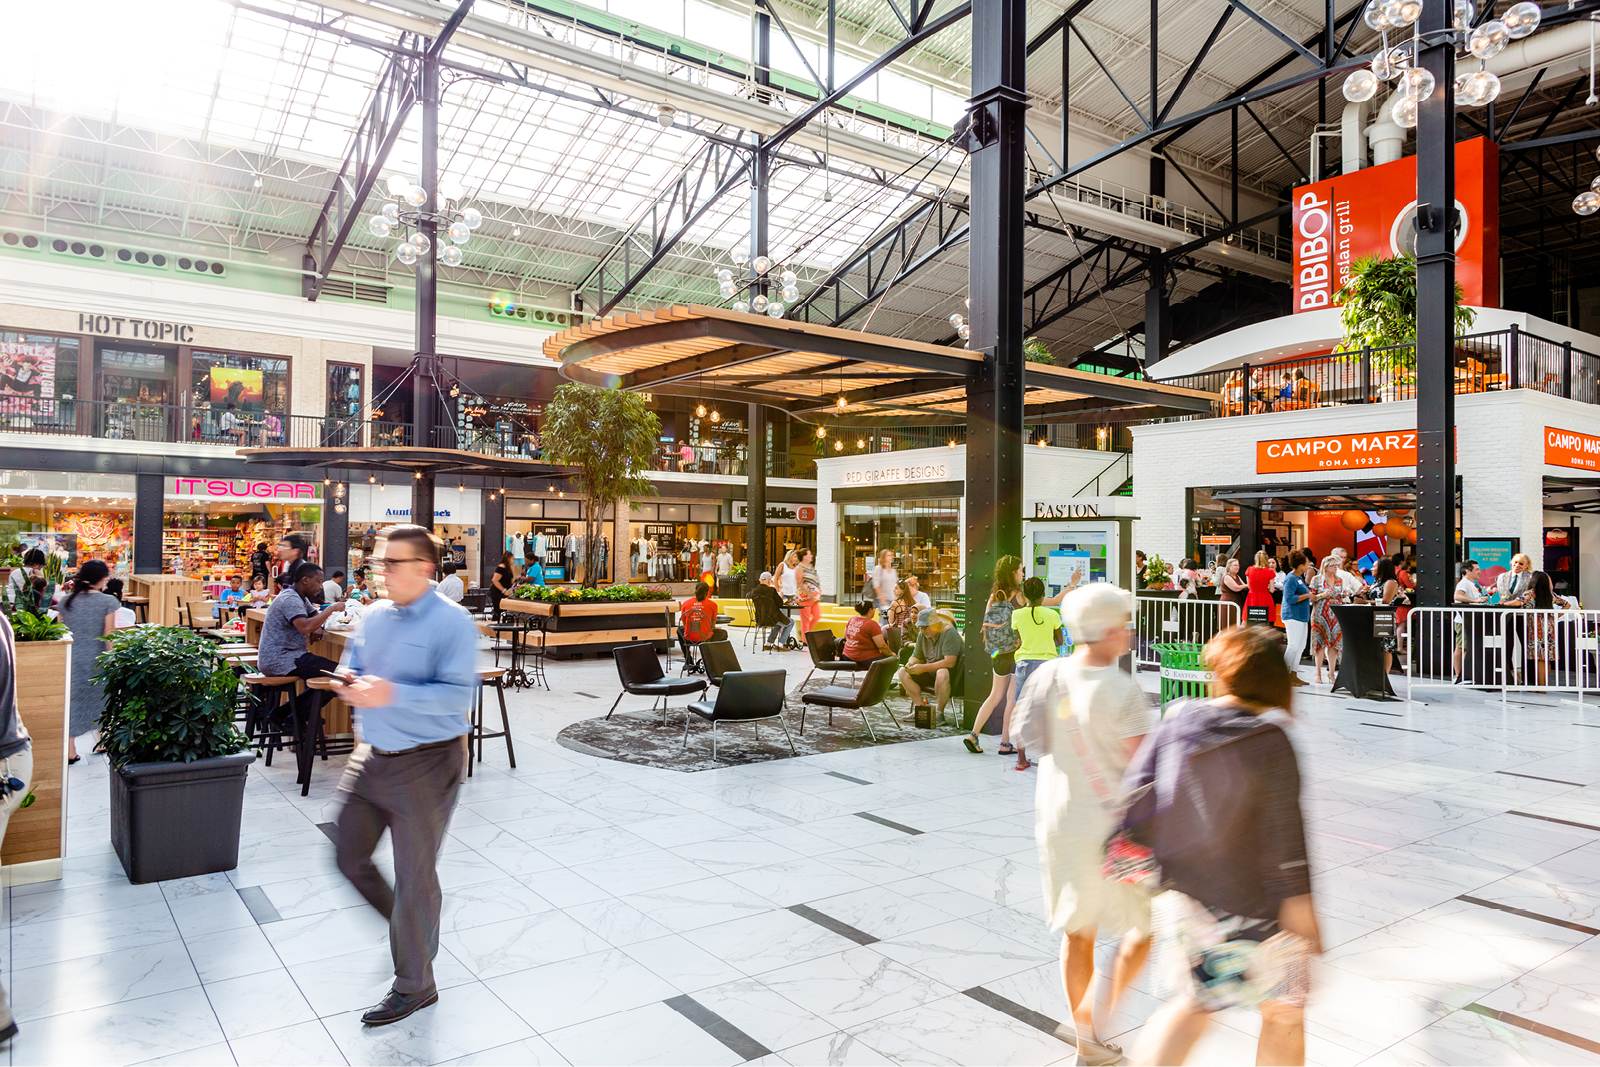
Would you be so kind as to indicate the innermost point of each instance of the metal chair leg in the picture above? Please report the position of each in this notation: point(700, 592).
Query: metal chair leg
point(714, 756)
point(804, 681)
point(868, 722)
point(505, 724)
point(685, 747)
point(892, 719)
point(803, 708)
point(617, 701)
point(786, 733)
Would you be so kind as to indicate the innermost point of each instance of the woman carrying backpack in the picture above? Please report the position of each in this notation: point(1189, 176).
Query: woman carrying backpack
point(1000, 641)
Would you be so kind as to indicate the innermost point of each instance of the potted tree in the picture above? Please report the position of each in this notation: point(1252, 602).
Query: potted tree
point(1378, 311)
point(44, 650)
point(178, 763)
point(609, 438)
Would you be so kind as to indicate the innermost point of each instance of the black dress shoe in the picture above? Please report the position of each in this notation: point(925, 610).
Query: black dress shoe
point(396, 1006)
point(9, 1032)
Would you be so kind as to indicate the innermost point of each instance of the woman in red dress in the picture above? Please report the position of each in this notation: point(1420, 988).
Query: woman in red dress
point(1258, 580)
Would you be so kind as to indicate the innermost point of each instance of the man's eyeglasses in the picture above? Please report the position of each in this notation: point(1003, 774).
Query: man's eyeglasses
point(382, 564)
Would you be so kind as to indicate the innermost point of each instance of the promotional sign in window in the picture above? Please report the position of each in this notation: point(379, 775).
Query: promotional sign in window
point(28, 369)
point(1373, 211)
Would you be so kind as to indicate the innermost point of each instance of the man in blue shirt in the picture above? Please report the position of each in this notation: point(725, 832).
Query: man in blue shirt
point(411, 675)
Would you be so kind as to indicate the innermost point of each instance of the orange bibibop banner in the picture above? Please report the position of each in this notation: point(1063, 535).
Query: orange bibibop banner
point(1373, 213)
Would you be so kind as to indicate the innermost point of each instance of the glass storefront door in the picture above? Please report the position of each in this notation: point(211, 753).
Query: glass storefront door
point(138, 391)
point(925, 536)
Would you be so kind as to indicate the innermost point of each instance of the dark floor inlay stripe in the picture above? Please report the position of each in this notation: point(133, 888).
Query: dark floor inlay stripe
point(890, 823)
point(1552, 818)
point(1588, 725)
point(1386, 726)
point(1373, 711)
point(261, 909)
point(740, 1043)
point(1533, 1026)
point(860, 937)
point(847, 777)
point(330, 830)
point(1059, 1031)
point(581, 693)
point(1480, 902)
point(1538, 778)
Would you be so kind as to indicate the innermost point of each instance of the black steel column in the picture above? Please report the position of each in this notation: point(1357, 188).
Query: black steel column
point(493, 541)
point(424, 388)
point(994, 393)
point(755, 495)
point(1157, 313)
point(1436, 284)
point(149, 500)
point(335, 529)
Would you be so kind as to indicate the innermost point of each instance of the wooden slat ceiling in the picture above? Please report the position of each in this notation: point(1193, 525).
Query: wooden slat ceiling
point(806, 374)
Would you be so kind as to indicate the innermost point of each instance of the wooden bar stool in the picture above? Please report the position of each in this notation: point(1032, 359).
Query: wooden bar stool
point(140, 606)
point(496, 677)
point(269, 693)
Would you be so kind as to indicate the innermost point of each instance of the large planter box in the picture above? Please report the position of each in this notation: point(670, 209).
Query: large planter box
point(572, 630)
point(177, 820)
point(33, 844)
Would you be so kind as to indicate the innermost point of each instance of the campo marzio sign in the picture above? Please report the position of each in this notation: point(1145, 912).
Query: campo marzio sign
point(1337, 452)
point(1372, 212)
point(1569, 448)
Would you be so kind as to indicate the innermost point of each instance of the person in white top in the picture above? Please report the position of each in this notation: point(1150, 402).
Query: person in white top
point(724, 561)
point(788, 580)
point(333, 588)
point(450, 586)
point(1468, 591)
point(921, 599)
point(1086, 716)
point(883, 579)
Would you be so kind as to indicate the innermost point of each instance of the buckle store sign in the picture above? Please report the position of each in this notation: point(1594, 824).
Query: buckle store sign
point(792, 514)
point(241, 489)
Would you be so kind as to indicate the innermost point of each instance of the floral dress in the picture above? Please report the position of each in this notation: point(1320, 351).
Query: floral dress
point(1325, 632)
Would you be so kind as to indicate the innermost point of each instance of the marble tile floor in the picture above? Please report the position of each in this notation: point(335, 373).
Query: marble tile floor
point(602, 913)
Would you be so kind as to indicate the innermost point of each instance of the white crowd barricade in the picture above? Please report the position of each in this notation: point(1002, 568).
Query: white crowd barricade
point(1158, 619)
point(1531, 649)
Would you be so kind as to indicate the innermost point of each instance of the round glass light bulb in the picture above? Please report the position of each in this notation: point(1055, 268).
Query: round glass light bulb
point(956, 320)
point(416, 196)
point(460, 232)
point(840, 402)
point(822, 431)
point(451, 255)
point(761, 264)
point(397, 184)
point(699, 411)
point(1483, 87)
point(405, 253)
point(724, 275)
point(472, 217)
point(1489, 39)
point(1375, 18)
point(1360, 85)
point(1391, 10)
point(1417, 83)
point(739, 256)
point(741, 306)
point(1595, 185)
point(790, 294)
point(1586, 202)
point(1461, 13)
point(420, 242)
point(964, 331)
point(726, 289)
point(788, 277)
point(838, 445)
point(390, 211)
point(1410, 11)
point(1387, 65)
point(450, 188)
point(1521, 19)
point(759, 304)
point(716, 416)
point(379, 226)
point(1404, 112)
point(775, 309)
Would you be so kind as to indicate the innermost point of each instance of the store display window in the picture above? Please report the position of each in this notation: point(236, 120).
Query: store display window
point(38, 382)
point(670, 542)
point(212, 539)
point(137, 393)
point(238, 399)
point(925, 536)
point(74, 517)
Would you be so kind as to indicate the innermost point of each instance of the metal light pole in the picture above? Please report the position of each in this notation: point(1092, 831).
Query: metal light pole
point(424, 400)
point(1436, 287)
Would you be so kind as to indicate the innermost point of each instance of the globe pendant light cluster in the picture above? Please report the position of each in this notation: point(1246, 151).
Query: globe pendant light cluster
point(1588, 201)
point(1414, 84)
point(760, 269)
point(402, 215)
point(958, 323)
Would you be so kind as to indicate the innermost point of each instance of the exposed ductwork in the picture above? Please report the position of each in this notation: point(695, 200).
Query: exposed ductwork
point(1353, 149)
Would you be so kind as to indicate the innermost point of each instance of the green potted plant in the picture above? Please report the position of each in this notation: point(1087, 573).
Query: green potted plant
point(1378, 311)
point(178, 763)
point(732, 584)
point(1157, 573)
point(609, 438)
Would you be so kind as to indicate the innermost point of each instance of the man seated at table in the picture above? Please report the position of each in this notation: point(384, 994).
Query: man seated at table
point(864, 640)
point(333, 588)
point(450, 586)
point(771, 612)
point(933, 663)
point(697, 620)
point(293, 620)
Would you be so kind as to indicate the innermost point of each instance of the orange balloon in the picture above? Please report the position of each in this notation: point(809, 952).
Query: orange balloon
point(1399, 511)
point(1396, 527)
point(1353, 520)
point(1411, 535)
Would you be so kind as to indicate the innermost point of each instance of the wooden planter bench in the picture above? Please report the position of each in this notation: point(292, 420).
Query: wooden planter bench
point(571, 630)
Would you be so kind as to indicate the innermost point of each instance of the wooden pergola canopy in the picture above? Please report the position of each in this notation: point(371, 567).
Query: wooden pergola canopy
point(803, 368)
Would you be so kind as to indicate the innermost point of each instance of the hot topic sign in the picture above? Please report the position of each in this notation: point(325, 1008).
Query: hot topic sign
point(1569, 448)
point(1337, 452)
point(1373, 211)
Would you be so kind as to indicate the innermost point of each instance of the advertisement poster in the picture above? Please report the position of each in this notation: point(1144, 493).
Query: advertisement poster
point(1493, 555)
point(236, 385)
point(28, 368)
point(1372, 212)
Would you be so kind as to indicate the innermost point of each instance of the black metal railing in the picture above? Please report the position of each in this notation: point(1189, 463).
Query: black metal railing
point(122, 420)
point(1484, 363)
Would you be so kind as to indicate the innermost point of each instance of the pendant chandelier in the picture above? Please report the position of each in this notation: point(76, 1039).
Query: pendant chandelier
point(402, 214)
point(763, 274)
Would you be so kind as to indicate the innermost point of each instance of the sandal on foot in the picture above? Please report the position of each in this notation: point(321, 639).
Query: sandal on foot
point(1097, 1054)
point(1023, 765)
point(1007, 749)
point(971, 741)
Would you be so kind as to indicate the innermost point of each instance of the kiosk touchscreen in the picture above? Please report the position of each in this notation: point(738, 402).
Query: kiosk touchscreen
point(1066, 554)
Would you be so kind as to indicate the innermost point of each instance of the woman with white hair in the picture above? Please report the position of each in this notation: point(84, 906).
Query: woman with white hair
point(1086, 716)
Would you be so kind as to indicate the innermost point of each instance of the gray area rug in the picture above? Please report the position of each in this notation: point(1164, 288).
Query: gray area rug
point(640, 737)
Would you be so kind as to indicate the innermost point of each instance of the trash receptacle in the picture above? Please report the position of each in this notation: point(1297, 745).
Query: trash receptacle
point(1183, 675)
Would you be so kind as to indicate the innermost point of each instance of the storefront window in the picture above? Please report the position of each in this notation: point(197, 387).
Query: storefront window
point(238, 398)
point(76, 517)
point(210, 528)
point(924, 535)
point(136, 393)
point(38, 382)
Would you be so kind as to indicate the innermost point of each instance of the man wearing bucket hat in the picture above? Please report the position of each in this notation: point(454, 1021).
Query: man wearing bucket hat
point(933, 663)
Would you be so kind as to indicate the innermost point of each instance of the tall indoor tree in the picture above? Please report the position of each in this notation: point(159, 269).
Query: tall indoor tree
point(1378, 311)
point(610, 437)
